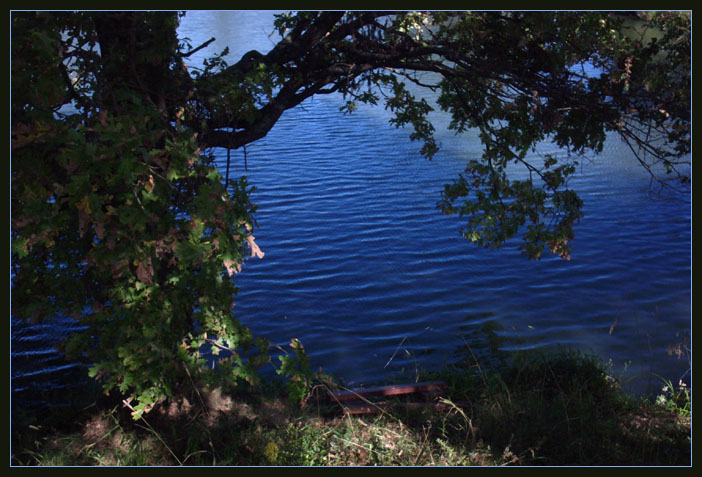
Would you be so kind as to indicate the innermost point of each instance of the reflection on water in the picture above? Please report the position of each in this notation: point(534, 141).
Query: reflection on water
point(362, 268)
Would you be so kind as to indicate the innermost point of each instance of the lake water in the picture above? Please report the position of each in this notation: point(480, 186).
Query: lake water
point(363, 269)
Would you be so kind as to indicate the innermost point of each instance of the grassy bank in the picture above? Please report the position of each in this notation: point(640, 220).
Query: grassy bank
point(558, 410)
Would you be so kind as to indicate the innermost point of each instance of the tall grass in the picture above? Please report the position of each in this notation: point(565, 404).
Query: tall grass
point(559, 409)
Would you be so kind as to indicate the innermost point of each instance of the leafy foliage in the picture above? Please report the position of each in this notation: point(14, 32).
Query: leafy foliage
point(297, 368)
point(121, 220)
point(539, 91)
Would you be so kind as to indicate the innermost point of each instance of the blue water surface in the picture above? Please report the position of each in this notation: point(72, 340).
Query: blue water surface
point(362, 268)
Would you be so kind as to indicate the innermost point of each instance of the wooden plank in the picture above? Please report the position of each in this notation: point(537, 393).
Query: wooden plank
point(358, 407)
point(390, 390)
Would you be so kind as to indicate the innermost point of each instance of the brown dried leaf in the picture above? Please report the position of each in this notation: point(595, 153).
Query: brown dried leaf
point(255, 250)
point(145, 271)
point(232, 267)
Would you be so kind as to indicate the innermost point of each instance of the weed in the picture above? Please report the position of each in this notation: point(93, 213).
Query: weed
point(676, 399)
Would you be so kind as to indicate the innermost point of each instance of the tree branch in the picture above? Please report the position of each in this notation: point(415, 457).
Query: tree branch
point(195, 50)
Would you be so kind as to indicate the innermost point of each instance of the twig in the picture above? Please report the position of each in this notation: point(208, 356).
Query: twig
point(424, 445)
point(396, 350)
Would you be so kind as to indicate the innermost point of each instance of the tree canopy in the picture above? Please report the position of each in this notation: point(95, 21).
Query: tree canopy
point(121, 219)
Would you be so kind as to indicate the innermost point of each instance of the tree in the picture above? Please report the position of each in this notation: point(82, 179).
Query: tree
point(120, 218)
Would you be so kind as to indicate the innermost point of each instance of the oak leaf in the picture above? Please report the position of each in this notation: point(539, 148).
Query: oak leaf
point(255, 250)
